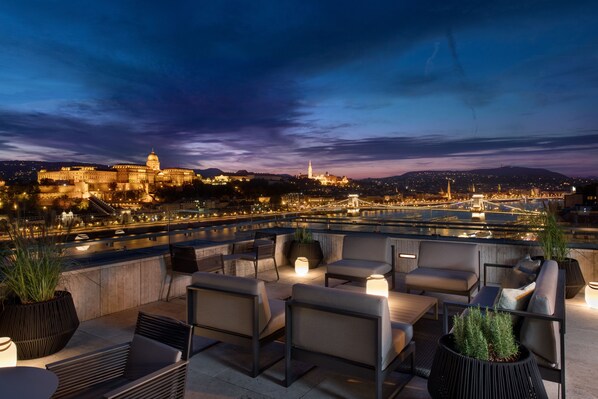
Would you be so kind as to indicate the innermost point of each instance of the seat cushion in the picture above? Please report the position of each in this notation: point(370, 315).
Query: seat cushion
point(367, 247)
point(147, 355)
point(358, 268)
point(402, 333)
point(441, 279)
point(448, 256)
point(277, 321)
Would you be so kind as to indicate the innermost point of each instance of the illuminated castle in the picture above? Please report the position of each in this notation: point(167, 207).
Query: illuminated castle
point(84, 181)
point(325, 179)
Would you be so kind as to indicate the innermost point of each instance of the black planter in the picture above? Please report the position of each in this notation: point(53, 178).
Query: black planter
point(454, 376)
point(39, 329)
point(312, 251)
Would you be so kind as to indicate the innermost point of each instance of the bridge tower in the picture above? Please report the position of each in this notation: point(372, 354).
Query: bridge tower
point(477, 207)
point(353, 204)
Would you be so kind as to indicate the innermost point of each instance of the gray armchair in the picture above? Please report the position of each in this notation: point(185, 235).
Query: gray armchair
point(234, 310)
point(363, 255)
point(152, 365)
point(347, 332)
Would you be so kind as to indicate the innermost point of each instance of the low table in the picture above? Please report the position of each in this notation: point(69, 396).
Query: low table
point(27, 382)
point(405, 308)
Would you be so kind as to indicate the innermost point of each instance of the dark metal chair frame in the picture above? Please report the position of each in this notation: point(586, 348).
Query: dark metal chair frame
point(81, 372)
point(340, 365)
point(253, 341)
point(259, 252)
point(467, 293)
point(390, 273)
point(184, 261)
point(486, 299)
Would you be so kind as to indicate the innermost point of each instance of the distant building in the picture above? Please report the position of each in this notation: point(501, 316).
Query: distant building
point(326, 179)
point(84, 181)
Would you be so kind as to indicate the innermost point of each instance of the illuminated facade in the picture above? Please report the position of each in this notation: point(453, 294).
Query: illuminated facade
point(326, 179)
point(83, 181)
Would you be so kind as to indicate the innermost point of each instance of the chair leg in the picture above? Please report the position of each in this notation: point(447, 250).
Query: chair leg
point(379, 382)
point(326, 280)
point(276, 268)
point(169, 286)
point(255, 267)
point(255, 368)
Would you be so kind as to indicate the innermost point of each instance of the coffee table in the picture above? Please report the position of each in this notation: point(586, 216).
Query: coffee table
point(27, 382)
point(406, 308)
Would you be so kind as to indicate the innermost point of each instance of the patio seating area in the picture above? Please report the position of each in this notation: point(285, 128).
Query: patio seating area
point(220, 371)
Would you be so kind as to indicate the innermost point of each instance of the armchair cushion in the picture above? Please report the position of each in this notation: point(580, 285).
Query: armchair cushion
point(226, 312)
point(358, 268)
point(441, 279)
point(370, 248)
point(541, 336)
point(448, 256)
point(277, 320)
point(147, 355)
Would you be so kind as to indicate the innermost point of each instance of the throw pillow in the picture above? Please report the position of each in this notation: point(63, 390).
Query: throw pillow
point(515, 299)
point(515, 278)
point(147, 355)
point(528, 265)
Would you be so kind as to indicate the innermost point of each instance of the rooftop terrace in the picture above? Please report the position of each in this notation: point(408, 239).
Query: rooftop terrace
point(214, 373)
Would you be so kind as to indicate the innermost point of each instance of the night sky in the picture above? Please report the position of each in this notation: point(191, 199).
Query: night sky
point(362, 88)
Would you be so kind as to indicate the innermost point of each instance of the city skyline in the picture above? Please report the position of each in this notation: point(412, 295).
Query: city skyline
point(362, 90)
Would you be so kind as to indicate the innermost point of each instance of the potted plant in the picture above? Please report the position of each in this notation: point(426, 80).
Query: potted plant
point(37, 317)
point(303, 245)
point(555, 246)
point(481, 359)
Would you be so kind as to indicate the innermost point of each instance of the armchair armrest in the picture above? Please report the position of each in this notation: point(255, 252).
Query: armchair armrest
point(82, 371)
point(169, 381)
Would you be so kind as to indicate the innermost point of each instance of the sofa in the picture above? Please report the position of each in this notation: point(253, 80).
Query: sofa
point(541, 326)
point(446, 267)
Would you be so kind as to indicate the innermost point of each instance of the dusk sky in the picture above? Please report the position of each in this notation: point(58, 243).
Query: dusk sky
point(362, 88)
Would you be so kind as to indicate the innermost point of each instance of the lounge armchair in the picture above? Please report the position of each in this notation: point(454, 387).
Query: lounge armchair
point(363, 256)
point(262, 248)
point(542, 328)
point(348, 332)
point(152, 365)
point(184, 262)
point(234, 310)
point(447, 267)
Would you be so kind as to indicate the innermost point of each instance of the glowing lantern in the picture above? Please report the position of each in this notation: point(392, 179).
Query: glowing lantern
point(377, 285)
point(301, 266)
point(8, 352)
point(592, 294)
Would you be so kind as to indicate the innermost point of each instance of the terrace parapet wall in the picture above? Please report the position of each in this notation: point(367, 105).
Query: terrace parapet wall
point(101, 290)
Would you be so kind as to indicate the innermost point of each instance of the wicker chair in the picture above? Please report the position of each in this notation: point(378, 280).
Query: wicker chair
point(152, 366)
point(184, 261)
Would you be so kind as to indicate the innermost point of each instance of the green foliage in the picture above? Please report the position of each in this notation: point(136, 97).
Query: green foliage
point(32, 270)
point(485, 336)
point(552, 237)
point(303, 235)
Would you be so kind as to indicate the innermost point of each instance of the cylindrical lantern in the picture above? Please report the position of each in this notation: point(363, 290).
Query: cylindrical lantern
point(377, 285)
point(592, 294)
point(8, 352)
point(301, 266)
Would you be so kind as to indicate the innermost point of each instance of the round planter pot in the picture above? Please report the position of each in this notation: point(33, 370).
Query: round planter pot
point(39, 329)
point(312, 251)
point(454, 376)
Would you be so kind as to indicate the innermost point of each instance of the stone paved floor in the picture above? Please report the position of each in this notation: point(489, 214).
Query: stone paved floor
point(215, 373)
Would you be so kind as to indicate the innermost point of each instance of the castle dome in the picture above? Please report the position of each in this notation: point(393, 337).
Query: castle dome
point(152, 161)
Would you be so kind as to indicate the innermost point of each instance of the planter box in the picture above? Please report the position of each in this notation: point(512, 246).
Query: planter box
point(39, 329)
point(312, 251)
point(454, 376)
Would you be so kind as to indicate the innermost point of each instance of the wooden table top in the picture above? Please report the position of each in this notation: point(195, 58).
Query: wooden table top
point(405, 308)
